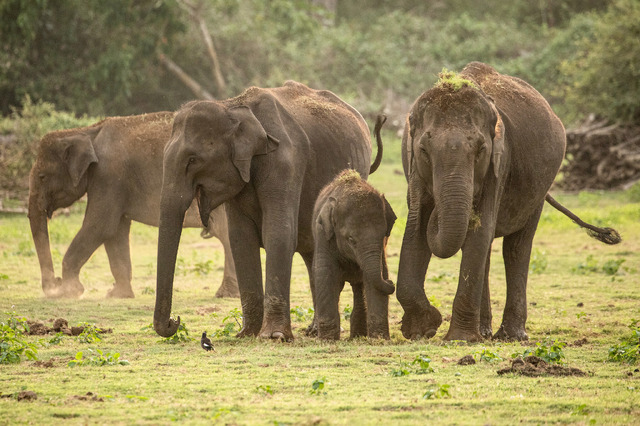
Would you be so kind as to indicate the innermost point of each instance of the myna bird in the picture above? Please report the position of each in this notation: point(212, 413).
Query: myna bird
point(205, 342)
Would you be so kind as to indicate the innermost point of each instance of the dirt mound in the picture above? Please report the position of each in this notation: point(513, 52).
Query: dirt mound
point(89, 396)
point(44, 364)
point(60, 325)
point(22, 396)
point(466, 360)
point(533, 366)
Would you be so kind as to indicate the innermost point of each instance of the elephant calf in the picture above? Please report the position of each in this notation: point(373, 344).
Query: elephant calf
point(118, 164)
point(351, 224)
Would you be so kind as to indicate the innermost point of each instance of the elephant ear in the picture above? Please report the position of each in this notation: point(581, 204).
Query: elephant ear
point(389, 215)
point(78, 154)
point(325, 218)
point(249, 139)
point(498, 141)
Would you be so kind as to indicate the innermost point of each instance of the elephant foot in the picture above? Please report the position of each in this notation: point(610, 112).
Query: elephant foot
point(312, 329)
point(422, 322)
point(247, 332)
point(276, 332)
point(64, 289)
point(456, 333)
point(511, 334)
point(485, 331)
point(228, 288)
point(121, 292)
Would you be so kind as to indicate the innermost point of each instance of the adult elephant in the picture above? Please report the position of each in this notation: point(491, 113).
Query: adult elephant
point(267, 153)
point(480, 152)
point(117, 163)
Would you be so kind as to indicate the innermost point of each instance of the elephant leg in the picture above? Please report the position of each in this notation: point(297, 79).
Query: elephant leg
point(279, 238)
point(312, 329)
point(420, 318)
point(465, 319)
point(118, 251)
point(516, 250)
point(377, 313)
point(359, 311)
point(219, 227)
point(245, 248)
point(328, 284)
point(485, 307)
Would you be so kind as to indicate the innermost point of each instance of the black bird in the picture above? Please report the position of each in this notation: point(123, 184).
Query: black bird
point(205, 342)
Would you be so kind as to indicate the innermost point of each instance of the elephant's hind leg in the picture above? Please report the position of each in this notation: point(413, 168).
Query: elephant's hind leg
point(516, 250)
point(119, 254)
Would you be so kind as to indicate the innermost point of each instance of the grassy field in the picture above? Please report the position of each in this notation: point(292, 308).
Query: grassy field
point(582, 293)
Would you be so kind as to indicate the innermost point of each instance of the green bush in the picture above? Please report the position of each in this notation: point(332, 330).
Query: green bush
point(13, 346)
point(628, 350)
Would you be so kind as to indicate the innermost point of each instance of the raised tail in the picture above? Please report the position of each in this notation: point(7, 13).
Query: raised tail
point(379, 122)
point(606, 235)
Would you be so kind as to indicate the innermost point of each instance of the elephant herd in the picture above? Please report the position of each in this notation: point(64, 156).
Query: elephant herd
point(285, 169)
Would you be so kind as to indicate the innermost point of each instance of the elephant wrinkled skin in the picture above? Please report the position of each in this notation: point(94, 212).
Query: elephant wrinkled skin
point(266, 153)
point(117, 163)
point(351, 225)
point(479, 154)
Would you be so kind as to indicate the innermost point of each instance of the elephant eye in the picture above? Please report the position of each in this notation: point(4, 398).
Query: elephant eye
point(42, 176)
point(351, 240)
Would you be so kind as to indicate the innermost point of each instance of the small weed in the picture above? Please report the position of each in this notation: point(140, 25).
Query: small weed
point(443, 276)
point(612, 266)
point(90, 334)
point(346, 313)
point(550, 352)
point(203, 268)
point(487, 356)
point(538, 263)
point(581, 314)
point(318, 385)
point(181, 336)
point(628, 350)
point(402, 370)
point(265, 389)
point(57, 339)
point(13, 346)
point(423, 364)
point(590, 265)
point(99, 360)
point(302, 314)
point(148, 290)
point(437, 392)
point(231, 324)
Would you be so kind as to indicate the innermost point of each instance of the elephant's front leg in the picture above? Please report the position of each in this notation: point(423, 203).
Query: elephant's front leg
point(279, 231)
point(485, 308)
point(245, 248)
point(118, 251)
point(420, 318)
point(328, 284)
point(516, 250)
point(465, 319)
point(359, 311)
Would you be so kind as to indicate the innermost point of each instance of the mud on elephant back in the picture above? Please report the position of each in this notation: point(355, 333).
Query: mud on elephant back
point(266, 153)
point(480, 152)
point(117, 163)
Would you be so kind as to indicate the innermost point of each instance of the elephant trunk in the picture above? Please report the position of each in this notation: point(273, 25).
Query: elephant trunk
point(449, 221)
point(172, 214)
point(371, 265)
point(38, 220)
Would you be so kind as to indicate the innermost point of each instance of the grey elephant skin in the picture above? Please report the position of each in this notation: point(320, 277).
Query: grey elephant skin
point(267, 153)
point(117, 163)
point(351, 224)
point(479, 157)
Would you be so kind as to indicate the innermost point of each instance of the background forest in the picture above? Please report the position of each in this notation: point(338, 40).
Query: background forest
point(124, 57)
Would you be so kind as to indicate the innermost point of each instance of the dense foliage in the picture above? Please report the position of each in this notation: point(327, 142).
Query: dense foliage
point(101, 58)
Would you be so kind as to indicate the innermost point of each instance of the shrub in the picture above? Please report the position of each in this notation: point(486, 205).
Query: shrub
point(550, 352)
point(13, 346)
point(99, 360)
point(628, 350)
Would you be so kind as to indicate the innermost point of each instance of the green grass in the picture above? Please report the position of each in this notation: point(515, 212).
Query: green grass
point(250, 381)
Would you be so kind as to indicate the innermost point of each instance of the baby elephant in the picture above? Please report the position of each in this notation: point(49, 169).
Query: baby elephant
point(351, 224)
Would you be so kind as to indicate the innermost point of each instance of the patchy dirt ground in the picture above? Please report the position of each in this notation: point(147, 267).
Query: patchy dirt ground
point(533, 366)
point(60, 325)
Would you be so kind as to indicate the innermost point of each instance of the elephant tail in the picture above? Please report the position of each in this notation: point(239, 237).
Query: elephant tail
point(606, 235)
point(379, 122)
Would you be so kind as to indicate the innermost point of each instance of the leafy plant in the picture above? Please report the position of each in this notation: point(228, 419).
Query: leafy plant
point(612, 266)
point(402, 370)
point(148, 290)
point(231, 324)
point(99, 359)
point(203, 268)
point(56, 339)
point(437, 391)
point(317, 387)
point(13, 346)
point(628, 350)
point(90, 334)
point(550, 352)
point(302, 314)
point(488, 356)
point(346, 312)
point(588, 266)
point(181, 336)
point(423, 364)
